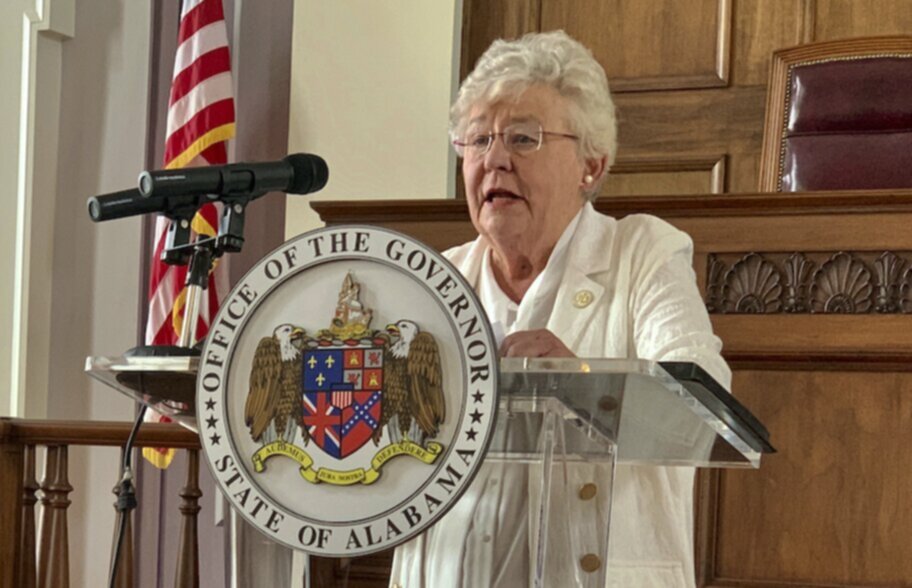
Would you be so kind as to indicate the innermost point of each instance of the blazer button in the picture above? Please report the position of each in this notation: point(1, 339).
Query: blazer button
point(582, 299)
point(590, 562)
point(588, 491)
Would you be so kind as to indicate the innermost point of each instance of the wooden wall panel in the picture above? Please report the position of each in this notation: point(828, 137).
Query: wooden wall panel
point(689, 175)
point(761, 27)
point(483, 21)
point(832, 508)
point(709, 121)
point(842, 19)
point(658, 183)
point(671, 125)
point(686, 45)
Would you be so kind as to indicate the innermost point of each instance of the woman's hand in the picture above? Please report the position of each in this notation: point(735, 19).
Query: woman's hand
point(537, 343)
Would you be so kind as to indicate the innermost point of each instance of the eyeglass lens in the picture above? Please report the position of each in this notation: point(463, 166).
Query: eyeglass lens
point(517, 138)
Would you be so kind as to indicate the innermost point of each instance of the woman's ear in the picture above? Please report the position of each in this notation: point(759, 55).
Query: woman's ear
point(593, 170)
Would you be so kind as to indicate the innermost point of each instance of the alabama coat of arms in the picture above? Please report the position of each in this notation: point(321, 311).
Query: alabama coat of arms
point(343, 389)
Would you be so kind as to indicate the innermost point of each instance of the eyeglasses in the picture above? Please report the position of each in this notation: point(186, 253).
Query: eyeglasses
point(520, 139)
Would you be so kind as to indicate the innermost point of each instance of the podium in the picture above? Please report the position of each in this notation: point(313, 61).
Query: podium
point(561, 415)
point(557, 417)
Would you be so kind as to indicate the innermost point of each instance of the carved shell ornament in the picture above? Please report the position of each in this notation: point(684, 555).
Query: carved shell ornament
point(752, 286)
point(819, 282)
point(842, 285)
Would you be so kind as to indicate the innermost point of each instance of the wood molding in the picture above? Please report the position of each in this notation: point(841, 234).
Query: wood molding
point(706, 500)
point(665, 83)
point(712, 205)
point(96, 433)
point(714, 164)
point(660, 163)
point(808, 21)
point(729, 583)
point(856, 361)
point(723, 41)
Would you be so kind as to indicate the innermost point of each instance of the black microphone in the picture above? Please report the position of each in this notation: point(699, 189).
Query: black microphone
point(168, 191)
point(301, 173)
point(131, 203)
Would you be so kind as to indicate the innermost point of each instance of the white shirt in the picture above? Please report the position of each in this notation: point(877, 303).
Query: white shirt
point(532, 312)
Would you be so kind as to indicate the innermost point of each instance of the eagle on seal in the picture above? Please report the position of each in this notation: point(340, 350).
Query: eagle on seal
point(273, 407)
point(413, 406)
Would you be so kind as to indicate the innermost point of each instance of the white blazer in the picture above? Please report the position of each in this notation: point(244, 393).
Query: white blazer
point(628, 290)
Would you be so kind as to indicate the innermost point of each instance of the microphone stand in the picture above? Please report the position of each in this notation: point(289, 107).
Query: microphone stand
point(200, 255)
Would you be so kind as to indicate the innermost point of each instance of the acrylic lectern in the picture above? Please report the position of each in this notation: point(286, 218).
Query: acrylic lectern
point(556, 417)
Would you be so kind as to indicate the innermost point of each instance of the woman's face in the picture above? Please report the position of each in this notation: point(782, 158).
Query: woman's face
point(524, 201)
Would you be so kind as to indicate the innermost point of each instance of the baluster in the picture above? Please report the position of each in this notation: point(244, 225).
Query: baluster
point(11, 469)
point(27, 569)
point(125, 565)
point(54, 559)
point(44, 527)
point(187, 575)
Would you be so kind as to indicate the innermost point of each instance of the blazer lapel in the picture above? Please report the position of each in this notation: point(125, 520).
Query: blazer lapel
point(581, 294)
point(577, 300)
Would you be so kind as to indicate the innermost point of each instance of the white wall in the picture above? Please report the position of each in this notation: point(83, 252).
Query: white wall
point(31, 37)
point(73, 114)
point(96, 286)
point(370, 92)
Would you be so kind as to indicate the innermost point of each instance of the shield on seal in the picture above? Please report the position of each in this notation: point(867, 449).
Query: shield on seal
point(342, 392)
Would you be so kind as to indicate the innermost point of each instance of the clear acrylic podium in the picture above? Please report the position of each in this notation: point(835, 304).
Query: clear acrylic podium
point(564, 415)
point(556, 417)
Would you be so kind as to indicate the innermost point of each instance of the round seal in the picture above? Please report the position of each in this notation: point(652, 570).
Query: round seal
point(347, 391)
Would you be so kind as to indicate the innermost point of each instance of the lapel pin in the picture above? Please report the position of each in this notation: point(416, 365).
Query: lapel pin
point(582, 299)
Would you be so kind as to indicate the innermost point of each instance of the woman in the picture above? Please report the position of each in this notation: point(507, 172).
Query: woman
point(535, 127)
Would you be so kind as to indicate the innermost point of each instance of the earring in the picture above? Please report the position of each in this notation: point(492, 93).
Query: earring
point(588, 178)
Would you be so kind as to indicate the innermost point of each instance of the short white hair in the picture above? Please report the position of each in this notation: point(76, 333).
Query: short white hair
point(508, 68)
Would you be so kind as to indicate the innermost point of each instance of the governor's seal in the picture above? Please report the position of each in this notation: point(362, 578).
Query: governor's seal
point(347, 391)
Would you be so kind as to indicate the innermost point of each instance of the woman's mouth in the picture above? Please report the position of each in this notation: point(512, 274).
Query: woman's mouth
point(501, 197)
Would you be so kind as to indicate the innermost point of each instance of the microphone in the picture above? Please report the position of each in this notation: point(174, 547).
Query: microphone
point(301, 173)
point(131, 203)
point(173, 190)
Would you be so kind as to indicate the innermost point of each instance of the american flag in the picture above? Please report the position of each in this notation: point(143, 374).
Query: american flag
point(200, 121)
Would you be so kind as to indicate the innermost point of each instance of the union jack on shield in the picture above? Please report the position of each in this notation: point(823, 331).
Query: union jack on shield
point(343, 389)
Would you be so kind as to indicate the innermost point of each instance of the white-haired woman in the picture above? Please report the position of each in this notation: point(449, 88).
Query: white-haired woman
point(535, 126)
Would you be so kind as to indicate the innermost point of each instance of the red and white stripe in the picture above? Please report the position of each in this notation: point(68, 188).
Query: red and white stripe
point(342, 398)
point(201, 119)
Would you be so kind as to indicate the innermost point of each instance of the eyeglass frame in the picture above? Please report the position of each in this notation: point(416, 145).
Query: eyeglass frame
point(460, 146)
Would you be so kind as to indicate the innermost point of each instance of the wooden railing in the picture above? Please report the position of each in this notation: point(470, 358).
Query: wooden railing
point(23, 564)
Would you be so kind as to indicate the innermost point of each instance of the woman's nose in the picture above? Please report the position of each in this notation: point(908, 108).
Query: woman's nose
point(498, 157)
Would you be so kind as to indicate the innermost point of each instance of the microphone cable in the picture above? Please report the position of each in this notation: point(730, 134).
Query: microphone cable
point(126, 496)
